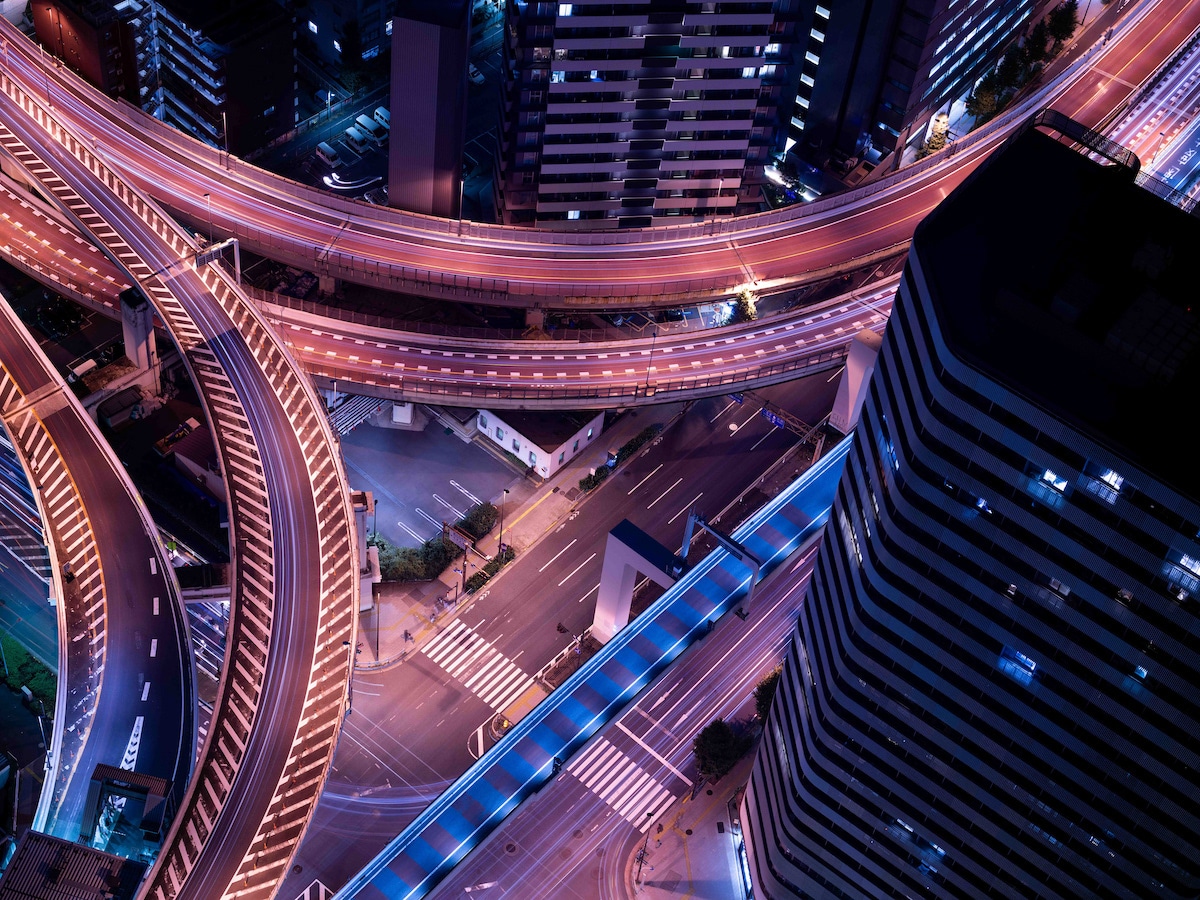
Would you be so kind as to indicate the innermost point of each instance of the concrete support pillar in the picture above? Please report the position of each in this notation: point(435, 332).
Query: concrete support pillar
point(856, 375)
point(137, 327)
point(327, 284)
point(629, 550)
point(535, 318)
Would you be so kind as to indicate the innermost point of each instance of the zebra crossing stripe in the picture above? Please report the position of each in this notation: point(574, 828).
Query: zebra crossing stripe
point(481, 668)
point(630, 790)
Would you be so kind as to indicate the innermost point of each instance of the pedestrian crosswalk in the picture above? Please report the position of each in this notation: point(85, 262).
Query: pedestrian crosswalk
point(482, 669)
point(621, 783)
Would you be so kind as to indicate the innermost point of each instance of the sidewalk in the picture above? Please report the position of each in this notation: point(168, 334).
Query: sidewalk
point(696, 852)
point(530, 513)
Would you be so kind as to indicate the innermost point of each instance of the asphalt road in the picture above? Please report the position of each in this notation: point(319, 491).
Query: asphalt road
point(413, 725)
point(573, 840)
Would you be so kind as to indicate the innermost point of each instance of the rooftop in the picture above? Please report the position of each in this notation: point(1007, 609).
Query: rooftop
point(1061, 278)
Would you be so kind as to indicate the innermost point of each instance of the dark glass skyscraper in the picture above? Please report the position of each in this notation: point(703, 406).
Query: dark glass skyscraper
point(992, 689)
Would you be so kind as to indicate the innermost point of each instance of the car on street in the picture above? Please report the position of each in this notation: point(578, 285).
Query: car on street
point(474, 74)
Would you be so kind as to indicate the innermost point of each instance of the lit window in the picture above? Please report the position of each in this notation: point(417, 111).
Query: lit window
point(802, 102)
point(557, 77)
point(1112, 479)
point(595, 74)
point(575, 449)
point(1059, 484)
point(1017, 666)
point(1190, 563)
point(499, 433)
point(312, 26)
point(387, 29)
point(532, 458)
point(806, 80)
point(337, 45)
point(590, 430)
point(772, 49)
point(566, 9)
point(483, 422)
point(270, 110)
point(572, 214)
point(817, 35)
point(516, 446)
point(812, 57)
point(822, 12)
point(750, 72)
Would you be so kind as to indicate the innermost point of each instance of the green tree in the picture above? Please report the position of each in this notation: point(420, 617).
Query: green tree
point(1061, 22)
point(985, 99)
point(479, 519)
point(1035, 45)
point(744, 308)
point(764, 693)
point(718, 748)
point(1012, 68)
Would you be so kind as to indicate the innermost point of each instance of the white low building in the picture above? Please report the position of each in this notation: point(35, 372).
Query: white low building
point(544, 441)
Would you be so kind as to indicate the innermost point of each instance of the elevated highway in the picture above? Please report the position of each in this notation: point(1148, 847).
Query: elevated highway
point(775, 248)
point(284, 688)
point(125, 688)
point(660, 266)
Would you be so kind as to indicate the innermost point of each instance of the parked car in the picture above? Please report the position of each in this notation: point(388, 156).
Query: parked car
point(474, 74)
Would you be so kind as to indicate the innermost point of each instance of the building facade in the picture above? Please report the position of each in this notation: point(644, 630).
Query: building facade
point(428, 107)
point(227, 70)
point(991, 690)
point(109, 44)
point(543, 440)
point(872, 74)
point(613, 114)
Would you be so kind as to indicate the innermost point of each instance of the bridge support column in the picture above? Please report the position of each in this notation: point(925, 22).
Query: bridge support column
point(535, 318)
point(137, 328)
point(629, 551)
point(327, 284)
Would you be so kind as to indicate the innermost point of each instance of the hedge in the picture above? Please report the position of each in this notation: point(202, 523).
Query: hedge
point(494, 565)
point(630, 447)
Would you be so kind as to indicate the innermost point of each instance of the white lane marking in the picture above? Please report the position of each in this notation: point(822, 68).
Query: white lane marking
point(732, 404)
point(557, 555)
point(156, 606)
point(577, 568)
point(685, 508)
point(145, 691)
point(654, 753)
point(644, 480)
point(153, 566)
point(664, 493)
point(589, 593)
point(153, 647)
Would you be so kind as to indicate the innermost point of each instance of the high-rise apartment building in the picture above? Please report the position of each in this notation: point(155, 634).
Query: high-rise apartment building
point(872, 73)
point(228, 70)
point(222, 71)
point(613, 114)
point(109, 44)
point(992, 686)
point(338, 30)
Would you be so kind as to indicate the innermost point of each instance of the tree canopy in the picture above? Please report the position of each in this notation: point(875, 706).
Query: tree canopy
point(718, 748)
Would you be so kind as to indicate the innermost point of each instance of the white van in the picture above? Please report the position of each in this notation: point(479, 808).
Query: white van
point(384, 117)
point(356, 140)
point(328, 154)
point(371, 129)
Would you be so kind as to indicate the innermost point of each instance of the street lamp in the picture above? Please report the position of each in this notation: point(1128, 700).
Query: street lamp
point(225, 135)
point(503, 497)
point(208, 203)
point(641, 857)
